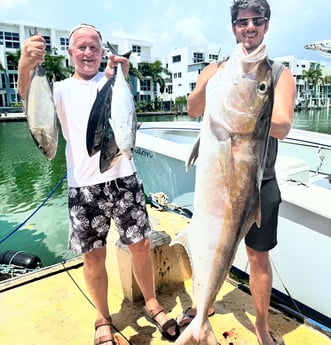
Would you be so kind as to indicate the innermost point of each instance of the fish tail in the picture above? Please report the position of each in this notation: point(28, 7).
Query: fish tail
point(181, 238)
point(204, 336)
point(194, 154)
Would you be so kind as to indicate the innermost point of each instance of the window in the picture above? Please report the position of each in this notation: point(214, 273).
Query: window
point(169, 89)
point(136, 49)
point(145, 98)
point(48, 44)
point(10, 39)
point(64, 43)
point(197, 57)
point(13, 81)
point(213, 57)
point(2, 81)
point(145, 85)
point(192, 86)
point(176, 58)
point(179, 74)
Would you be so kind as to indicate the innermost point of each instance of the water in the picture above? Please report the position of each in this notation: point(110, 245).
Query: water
point(27, 178)
point(313, 120)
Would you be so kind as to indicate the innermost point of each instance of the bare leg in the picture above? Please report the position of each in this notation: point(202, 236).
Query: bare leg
point(144, 273)
point(96, 280)
point(260, 283)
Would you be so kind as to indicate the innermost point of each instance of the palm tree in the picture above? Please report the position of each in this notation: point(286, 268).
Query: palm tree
point(54, 67)
point(327, 79)
point(12, 59)
point(313, 76)
point(134, 72)
point(154, 71)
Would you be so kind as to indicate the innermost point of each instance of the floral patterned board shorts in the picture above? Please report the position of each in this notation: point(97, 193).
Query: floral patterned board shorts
point(91, 209)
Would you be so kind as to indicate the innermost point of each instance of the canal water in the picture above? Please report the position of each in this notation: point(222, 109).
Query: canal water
point(33, 206)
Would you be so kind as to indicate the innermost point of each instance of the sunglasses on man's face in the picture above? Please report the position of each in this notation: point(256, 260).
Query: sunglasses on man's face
point(243, 22)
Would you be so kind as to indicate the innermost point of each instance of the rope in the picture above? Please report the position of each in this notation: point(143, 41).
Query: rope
point(86, 297)
point(285, 288)
point(36, 210)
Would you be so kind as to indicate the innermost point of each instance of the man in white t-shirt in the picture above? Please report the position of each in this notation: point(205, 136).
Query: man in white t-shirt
point(95, 197)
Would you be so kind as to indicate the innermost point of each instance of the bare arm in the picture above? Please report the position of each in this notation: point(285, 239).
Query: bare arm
point(33, 52)
point(284, 102)
point(197, 99)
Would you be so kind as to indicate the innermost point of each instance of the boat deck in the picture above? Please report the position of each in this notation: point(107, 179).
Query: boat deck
point(48, 308)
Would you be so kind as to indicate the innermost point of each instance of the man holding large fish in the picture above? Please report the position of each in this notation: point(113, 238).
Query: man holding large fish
point(94, 196)
point(234, 146)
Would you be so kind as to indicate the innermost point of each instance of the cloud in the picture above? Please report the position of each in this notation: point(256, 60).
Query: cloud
point(10, 4)
point(190, 28)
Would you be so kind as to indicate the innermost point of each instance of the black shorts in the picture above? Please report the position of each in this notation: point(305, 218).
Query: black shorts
point(91, 209)
point(265, 238)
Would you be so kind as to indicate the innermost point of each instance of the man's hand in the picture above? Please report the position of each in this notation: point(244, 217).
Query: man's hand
point(113, 60)
point(33, 52)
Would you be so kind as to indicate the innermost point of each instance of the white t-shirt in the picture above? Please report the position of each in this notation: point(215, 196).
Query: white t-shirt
point(74, 99)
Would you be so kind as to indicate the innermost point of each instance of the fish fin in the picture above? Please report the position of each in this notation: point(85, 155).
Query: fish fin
point(182, 238)
point(254, 216)
point(193, 154)
point(224, 153)
point(257, 211)
point(114, 51)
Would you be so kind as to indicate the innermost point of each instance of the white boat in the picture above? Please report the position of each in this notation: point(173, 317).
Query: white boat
point(302, 258)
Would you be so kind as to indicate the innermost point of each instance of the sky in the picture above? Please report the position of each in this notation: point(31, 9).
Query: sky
point(174, 24)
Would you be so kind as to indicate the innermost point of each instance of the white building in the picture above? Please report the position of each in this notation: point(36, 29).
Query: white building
point(12, 37)
point(185, 64)
point(304, 88)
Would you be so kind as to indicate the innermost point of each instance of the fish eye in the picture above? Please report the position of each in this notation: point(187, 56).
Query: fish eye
point(263, 87)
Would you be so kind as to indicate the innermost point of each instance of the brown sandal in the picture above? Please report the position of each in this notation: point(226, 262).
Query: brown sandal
point(150, 315)
point(189, 314)
point(104, 338)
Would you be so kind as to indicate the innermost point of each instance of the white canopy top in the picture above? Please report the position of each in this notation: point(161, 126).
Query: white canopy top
point(322, 47)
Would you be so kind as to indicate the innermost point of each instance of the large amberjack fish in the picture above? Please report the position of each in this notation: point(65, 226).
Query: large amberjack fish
point(232, 151)
point(41, 113)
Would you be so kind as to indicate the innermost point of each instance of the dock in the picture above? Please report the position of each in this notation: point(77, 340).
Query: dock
point(51, 306)
point(10, 116)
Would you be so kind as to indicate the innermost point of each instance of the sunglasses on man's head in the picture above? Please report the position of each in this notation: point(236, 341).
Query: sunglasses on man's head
point(243, 22)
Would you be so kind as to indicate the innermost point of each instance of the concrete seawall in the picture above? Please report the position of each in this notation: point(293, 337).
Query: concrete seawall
point(7, 117)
